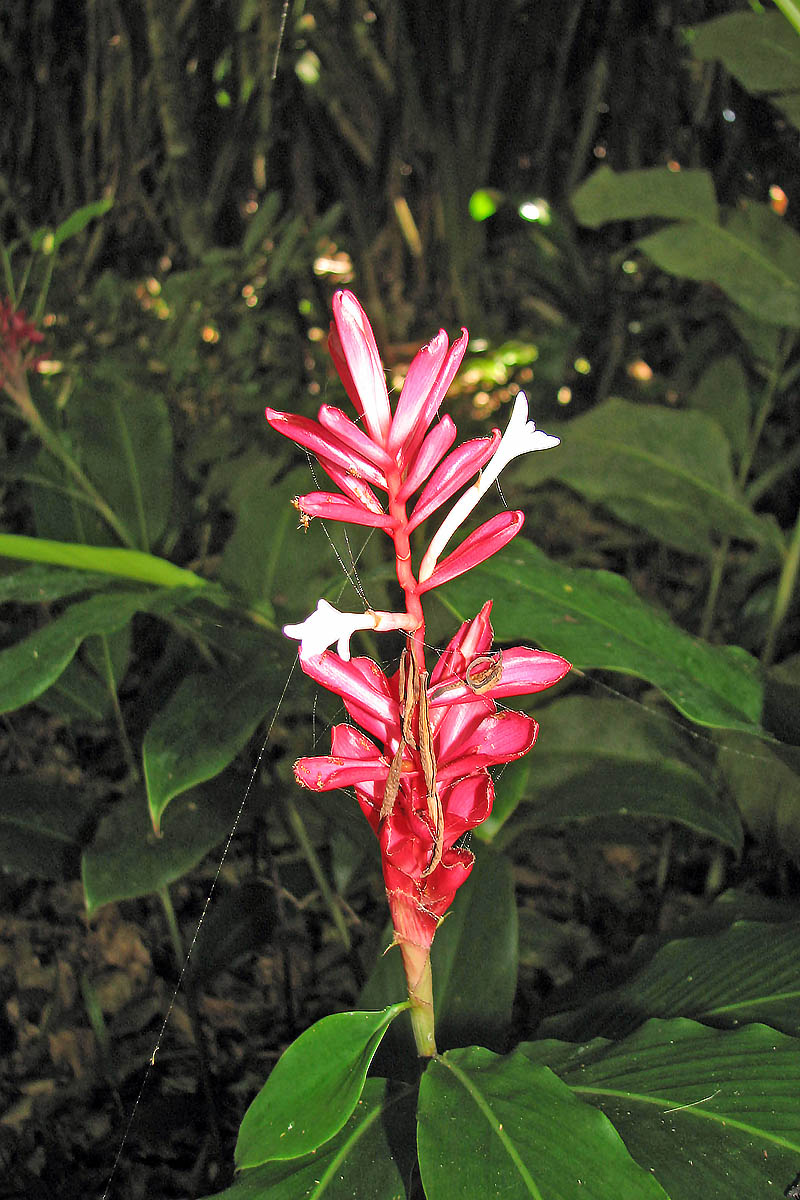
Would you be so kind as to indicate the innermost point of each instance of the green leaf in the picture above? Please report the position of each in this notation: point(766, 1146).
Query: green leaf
point(239, 922)
point(760, 49)
point(490, 1126)
point(127, 859)
point(44, 584)
point(314, 1087)
point(125, 441)
point(726, 979)
point(597, 758)
point(722, 394)
point(32, 665)
point(766, 789)
point(632, 195)
point(205, 723)
point(107, 560)
point(666, 472)
point(750, 253)
point(77, 221)
point(474, 964)
point(41, 827)
point(359, 1161)
point(712, 1113)
point(752, 257)
point(595, 619)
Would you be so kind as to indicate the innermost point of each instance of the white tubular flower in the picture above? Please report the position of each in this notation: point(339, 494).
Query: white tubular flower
point(327, 625)
point(521, 437)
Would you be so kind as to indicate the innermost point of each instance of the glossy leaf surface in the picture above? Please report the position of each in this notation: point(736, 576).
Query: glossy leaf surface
point(710, 1112)
point(747, 973)
point(359, 1161)
point(313, 1089)
point(492, 1126)
point(596, 620)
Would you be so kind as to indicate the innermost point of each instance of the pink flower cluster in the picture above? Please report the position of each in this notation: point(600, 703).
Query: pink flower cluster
point(424, 781)
point(17, 337)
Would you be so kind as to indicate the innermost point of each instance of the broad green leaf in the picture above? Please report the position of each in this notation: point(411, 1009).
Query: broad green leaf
point(750, 253)
point(107, 560)
point(598, 758)
point(491, 1126)
point(41, 827)
point(632, 195)
point(44, 584)
point(30, 666)
point(767, 790)
point(205, 723)
point(666, 472)
point(752, 256)
point(474, 964)
point(721, 393)
point(747, 973)
point(760, 49)
point(595, 619)
point(125, 441)
point(360, 1161)
point(313, 1089)
point(712, 1113)
point(127, 859)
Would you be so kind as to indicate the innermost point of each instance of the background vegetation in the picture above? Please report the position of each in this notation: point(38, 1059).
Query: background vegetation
point(604, 192)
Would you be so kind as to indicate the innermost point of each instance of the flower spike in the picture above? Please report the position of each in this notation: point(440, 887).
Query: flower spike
point(424, 780)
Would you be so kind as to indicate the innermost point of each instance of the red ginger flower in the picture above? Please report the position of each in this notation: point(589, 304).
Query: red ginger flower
point(427, 782)
point(17, 337)
point(420, 826)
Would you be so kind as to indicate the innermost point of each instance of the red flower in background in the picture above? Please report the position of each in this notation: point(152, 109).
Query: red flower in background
point(425, 781)
point(18, 336)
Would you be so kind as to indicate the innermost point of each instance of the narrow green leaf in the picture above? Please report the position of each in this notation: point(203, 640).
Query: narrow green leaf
point(710, 1112)
point(632, 195)
point(599, 758)
point(41, 827)
point(78, 220)
point(125, 439)
point(358, 1162)
point(204, 724)
point(30, 666)
point(127, 859)
point(491, 1126)
point(596, 620)
point(108, 560)
point(725, 979)
point(314, 1087)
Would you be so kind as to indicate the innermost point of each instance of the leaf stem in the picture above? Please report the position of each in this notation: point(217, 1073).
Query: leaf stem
point(786, 585)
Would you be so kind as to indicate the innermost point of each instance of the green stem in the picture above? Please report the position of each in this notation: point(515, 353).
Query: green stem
point(721, 553)
point(783, 596)
point(111, 684)
point(304, 841)
point(791, 11)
